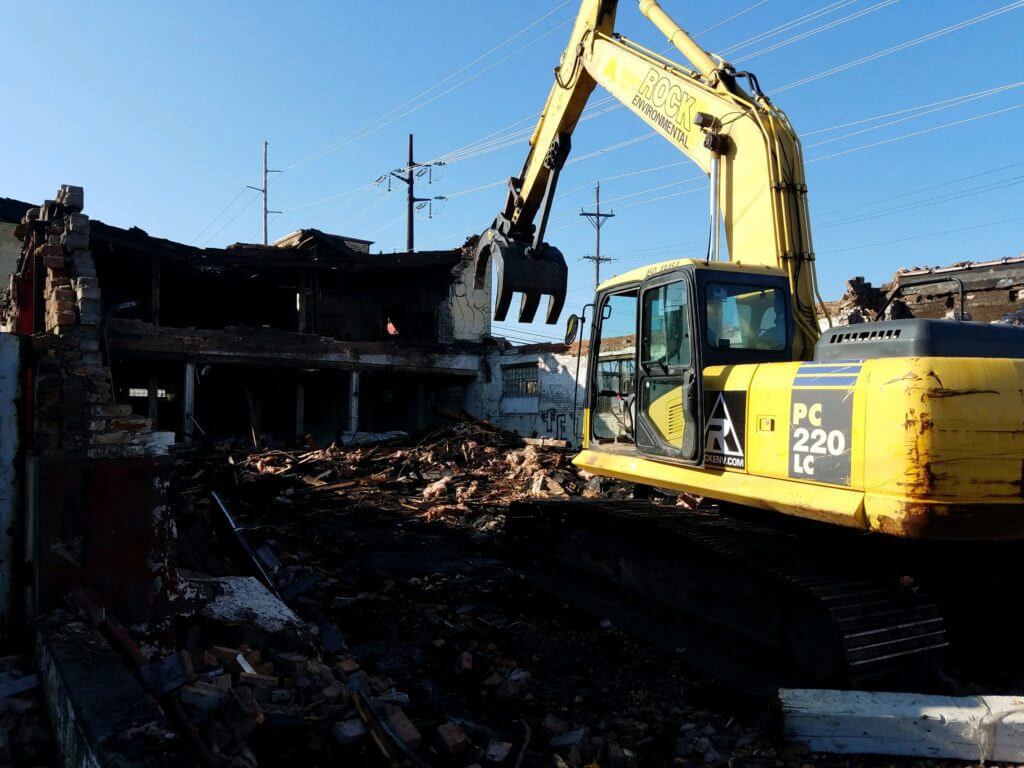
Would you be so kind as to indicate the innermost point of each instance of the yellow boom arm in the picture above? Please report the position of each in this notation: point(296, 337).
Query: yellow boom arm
point(743, 141)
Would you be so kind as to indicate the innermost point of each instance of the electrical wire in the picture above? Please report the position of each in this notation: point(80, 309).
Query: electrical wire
point(328, 198)
point(223, 211)
point(957, 99)
point(363, 133)
point(817, 30)
point(946, 104)
point(862, 246)
point(786, 26)
point(901, 46)
point(917, 133)
point(928, 202)
point(876, 200)
point(230, 221)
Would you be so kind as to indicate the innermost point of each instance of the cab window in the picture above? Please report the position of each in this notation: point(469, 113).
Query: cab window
point(666, 331)
point(611, 416)
point(745, 317)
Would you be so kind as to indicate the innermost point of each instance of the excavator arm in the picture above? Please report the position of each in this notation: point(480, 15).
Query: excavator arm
point(740, 139)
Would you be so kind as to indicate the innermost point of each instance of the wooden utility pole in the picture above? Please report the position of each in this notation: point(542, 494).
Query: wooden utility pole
point(409, 179)
point(263, 190)
point(598, 219)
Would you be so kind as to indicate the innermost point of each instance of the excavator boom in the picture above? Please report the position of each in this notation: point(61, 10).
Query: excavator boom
point(741, 140)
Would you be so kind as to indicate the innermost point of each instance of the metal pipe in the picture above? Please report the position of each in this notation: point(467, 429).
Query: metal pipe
point(678, 36)
point(716, 208)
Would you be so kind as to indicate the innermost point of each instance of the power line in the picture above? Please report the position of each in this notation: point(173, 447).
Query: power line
point(946, 104)
point(223, 211)
point(230, 221)
point(927, 202)
point(328, 198)
point(391, 117)
point(957, 180)
point(956, 99)
point(735, 16)
point(922, 236)
point(902, 46)
point(788, 25)
point(917, 133)
point(817, 30)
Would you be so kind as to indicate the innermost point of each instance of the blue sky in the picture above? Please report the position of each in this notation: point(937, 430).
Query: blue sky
point(160, 110)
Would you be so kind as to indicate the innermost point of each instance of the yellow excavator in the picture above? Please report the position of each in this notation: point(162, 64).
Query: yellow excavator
point(712, 377)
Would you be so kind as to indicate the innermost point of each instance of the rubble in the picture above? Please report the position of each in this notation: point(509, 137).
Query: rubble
point(442, 654)
point(25, 738)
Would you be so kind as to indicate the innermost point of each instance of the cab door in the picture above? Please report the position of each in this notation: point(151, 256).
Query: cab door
point(669, 401)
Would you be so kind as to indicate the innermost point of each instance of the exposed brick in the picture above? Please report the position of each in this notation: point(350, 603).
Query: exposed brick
point(48, 249)
point(453, 738)
point(134, 424)
point(110, 411)
point(405, 730)
point(74, 240)
point(54, 261)
point(66, 317)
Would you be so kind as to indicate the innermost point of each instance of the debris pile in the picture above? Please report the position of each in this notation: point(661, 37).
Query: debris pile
point(24, 737)
point(418, 642)
point(457, 473)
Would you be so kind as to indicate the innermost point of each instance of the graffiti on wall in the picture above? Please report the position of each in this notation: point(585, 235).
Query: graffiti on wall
point(555, 423)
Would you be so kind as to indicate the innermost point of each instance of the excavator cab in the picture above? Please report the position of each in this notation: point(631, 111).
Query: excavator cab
point(656, 333)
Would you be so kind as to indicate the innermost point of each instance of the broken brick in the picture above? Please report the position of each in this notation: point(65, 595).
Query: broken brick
point(405, 730)
point(453, 739)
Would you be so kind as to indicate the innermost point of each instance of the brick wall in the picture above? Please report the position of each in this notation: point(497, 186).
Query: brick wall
point(75, 408)
point(96, 495)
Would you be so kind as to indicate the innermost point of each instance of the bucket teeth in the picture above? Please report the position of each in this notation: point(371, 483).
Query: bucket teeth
point(532, 273)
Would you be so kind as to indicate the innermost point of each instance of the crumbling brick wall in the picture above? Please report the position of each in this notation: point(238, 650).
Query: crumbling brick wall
point(75, 408)
point(993, 290)
point(97, 498)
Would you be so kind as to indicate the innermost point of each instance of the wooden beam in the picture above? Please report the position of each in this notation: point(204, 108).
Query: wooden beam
point(976, 728)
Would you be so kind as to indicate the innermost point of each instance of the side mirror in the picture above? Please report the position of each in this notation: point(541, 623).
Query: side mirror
point(572, 328)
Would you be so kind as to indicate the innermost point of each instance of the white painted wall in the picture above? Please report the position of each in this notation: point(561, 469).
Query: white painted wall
point(470, 306)
point(550, 413)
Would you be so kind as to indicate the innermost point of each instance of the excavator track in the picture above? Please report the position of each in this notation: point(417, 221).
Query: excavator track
point(804, 604)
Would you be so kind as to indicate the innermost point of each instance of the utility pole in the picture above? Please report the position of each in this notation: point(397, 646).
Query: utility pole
point(263, 190)
point(409, 179)
point(597, 219)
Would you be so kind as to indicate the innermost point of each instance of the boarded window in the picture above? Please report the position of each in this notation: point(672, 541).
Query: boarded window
point(520, 380)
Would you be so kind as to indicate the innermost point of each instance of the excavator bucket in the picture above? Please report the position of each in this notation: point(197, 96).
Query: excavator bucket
point(533, 272)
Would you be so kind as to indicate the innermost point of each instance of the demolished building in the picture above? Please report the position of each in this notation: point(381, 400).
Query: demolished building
point(986, 291)
point(121, 345)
